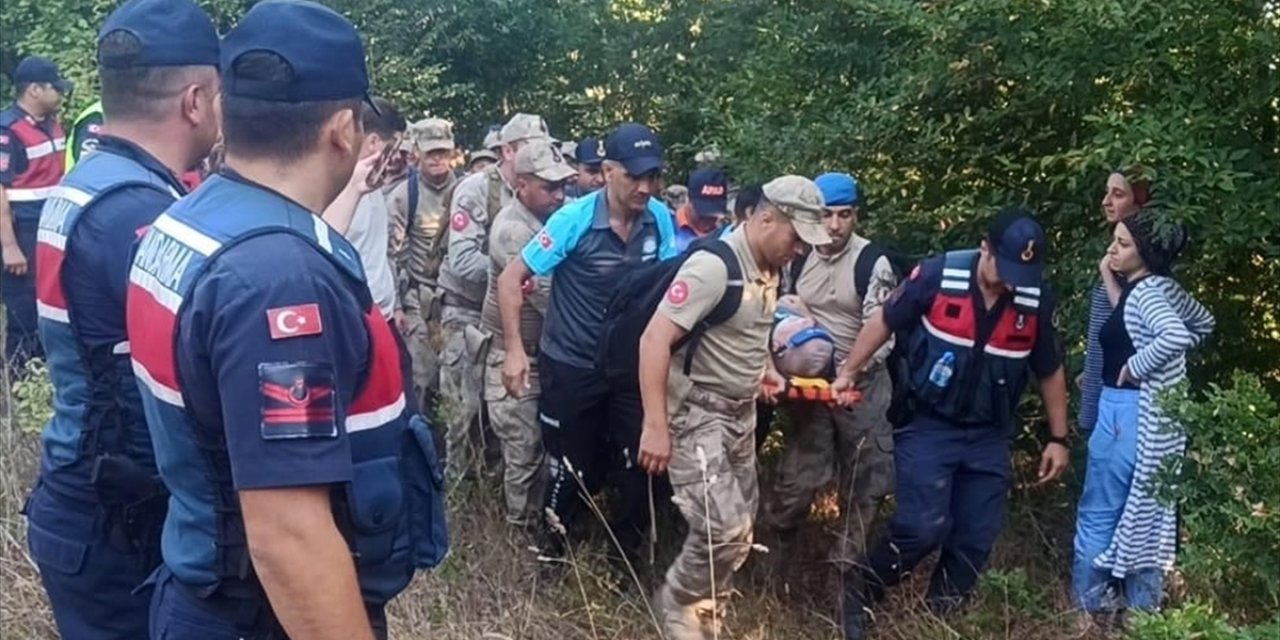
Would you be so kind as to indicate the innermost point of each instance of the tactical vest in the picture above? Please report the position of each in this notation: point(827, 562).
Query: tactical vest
point(75, 144)
point(989, 372)
point(96, 405)
point(44, 159)
point(390, 513)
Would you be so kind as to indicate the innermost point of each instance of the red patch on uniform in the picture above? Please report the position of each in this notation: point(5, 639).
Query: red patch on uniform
point(915, 273)
point(545, 241)
point(460, 221)
point(678, 293)
point(294, 322)
point(297, 401)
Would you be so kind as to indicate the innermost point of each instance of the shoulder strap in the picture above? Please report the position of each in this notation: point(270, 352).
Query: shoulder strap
point(414, 192)
point(794, 271)
point(728, 304)
point(493, 202)
point(864, 266)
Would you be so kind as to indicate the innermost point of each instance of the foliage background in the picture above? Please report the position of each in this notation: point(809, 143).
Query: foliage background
point(945, 109)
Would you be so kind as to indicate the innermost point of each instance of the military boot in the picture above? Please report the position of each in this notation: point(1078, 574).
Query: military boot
point(679, 621)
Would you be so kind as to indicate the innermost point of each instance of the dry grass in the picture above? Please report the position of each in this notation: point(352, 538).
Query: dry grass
point(492, 587)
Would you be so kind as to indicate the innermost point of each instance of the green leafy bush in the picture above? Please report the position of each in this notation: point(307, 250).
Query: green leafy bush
point(1228, 492)
point(1197, 622)
point(33, 397)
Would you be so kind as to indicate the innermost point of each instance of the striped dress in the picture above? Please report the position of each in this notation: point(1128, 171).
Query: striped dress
point(1091, 385)
point(1164, 322)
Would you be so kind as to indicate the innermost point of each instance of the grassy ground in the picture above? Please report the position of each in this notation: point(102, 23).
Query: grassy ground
point(492, 588)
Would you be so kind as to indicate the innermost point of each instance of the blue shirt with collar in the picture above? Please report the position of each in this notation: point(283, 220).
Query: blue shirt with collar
point(96, 270)
point(587, 258)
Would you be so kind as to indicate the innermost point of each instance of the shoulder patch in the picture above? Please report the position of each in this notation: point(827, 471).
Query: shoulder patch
point(545, 240)
point(460, 220)
point(294, 322)
point(297, 401)
point(678, 293)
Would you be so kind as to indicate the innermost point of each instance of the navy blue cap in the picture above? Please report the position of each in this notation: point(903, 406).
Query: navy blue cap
point(1019, 245)
point(35, 69)
point(838, 189)
point(321, 47)
point(173, 33)
point(590, 151)
point(636, 147)
point(709, 192)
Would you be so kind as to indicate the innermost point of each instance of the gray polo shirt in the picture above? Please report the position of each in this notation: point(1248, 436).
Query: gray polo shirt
point(587, 259)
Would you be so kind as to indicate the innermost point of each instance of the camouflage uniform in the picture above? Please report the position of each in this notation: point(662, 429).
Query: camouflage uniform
point(515, 419)
point(713, 456)
point(477, 199)
point(417, 253)
point(853, 447)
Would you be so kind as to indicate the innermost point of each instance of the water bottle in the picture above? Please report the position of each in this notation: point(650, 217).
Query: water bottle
point(940, 375)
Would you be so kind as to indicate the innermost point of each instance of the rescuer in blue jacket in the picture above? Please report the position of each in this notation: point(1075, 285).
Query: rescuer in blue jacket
point(973, 324)
point(304, 495)
point(94, 516)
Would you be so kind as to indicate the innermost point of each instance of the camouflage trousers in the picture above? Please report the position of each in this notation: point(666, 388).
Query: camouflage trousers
point(461, 388)
point(424, 340)
point(713, 476)
point(851, 446)
point(515, 422)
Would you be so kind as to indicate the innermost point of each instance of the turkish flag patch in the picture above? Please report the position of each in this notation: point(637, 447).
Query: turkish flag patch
point(459, 221)
point(294, 322)
point(297, 401)
point(678, 293)
point(545, 241)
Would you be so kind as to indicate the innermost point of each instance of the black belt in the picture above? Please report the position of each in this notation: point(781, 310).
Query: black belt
point(455, 300)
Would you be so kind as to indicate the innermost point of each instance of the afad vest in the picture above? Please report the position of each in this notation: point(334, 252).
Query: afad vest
point(989, 372)
point(97, 408)
point(44, 159)
point(391, 514)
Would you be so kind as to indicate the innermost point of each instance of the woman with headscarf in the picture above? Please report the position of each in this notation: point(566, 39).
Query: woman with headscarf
point(1128, 190)
point(1124, 536)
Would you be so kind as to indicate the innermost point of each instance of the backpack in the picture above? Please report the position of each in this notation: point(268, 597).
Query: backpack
point(636, 299)
point(900, 262)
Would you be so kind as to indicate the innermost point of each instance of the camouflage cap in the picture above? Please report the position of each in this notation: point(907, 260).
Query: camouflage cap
point(541, 158)
point(524, 126)
point(800, 200)
point(482, 154)
point(431, 134)
point(493, 140)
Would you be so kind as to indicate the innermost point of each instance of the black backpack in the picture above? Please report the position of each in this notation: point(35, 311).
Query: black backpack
point(637, 297)
point(862, 267)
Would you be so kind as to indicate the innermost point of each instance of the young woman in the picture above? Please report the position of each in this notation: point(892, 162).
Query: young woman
point(1123, 535)
point(1128, 190)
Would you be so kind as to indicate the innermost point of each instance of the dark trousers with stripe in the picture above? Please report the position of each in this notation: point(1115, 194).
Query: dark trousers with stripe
point(591, 429)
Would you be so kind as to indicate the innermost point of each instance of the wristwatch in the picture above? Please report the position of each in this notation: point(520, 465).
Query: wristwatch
point(1062, 440)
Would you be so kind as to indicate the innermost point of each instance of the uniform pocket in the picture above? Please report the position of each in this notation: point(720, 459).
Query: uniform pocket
point(376, 504)
point(424, 481)
point(55, 533)
point(697, 448)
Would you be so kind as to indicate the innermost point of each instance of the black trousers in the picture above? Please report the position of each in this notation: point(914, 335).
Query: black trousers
point(591, 430)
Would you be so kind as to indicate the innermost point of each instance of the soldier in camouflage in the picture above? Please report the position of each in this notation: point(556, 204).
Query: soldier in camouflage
point(418, 217)
point(700, 427)
point(464, 276)
point(541, 172)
